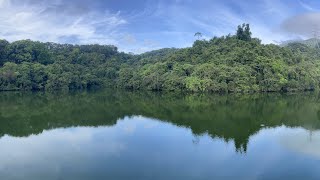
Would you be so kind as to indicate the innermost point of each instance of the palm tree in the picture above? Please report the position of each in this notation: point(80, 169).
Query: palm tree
point(198, 35)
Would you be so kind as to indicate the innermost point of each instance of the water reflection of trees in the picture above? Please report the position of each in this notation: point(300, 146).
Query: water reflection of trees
point(229, 117)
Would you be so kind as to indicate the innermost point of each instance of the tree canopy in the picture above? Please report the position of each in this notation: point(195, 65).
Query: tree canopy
point(233, 63)
point(244, 32)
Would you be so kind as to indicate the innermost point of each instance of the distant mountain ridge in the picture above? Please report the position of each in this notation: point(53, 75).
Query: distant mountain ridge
point(313, 42)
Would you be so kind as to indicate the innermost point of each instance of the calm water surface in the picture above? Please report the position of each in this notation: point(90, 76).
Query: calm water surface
point(143, 136)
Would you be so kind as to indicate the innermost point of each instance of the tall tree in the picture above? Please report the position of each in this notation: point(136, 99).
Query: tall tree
point(244, 32)
point(198, 35)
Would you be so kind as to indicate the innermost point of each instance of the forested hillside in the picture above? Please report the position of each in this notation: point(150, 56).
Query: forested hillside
point(233, 63)
point(313, 42)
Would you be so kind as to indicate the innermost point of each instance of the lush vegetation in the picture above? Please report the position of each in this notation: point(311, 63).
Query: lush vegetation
point(233, 63)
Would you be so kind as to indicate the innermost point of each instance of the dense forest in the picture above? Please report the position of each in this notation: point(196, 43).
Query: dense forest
point(232, 63)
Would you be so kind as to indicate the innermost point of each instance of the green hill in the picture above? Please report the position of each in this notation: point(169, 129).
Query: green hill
point(233, 63)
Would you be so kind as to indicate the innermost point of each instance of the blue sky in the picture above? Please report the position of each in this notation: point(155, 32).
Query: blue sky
point(142, 25)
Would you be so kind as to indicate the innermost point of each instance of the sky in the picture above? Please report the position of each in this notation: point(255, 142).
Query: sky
point(142, 25)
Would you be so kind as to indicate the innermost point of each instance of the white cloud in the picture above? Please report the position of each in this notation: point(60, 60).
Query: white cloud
point(304, 25)
point(217, 18)
point(306, 6)
point(49, 22)
point(165, 24)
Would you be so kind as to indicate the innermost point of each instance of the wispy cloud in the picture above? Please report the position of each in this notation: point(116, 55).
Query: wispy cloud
point(306, 6)
point(49, 22)
point(130, 24)
point(217, 18)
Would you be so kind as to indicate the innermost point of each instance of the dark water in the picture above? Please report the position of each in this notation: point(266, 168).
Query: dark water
point(144, 136)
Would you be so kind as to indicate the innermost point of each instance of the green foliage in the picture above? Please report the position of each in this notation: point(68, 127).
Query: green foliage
point(198, 35)
point(243, 32)
point(28, 65)
point(237, 63)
